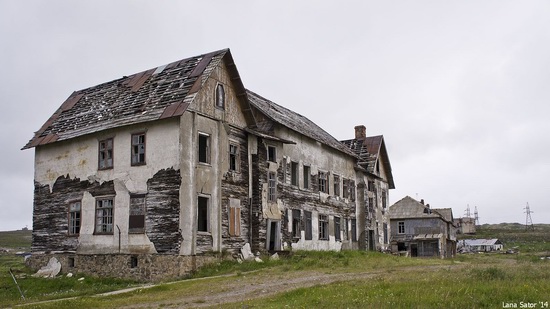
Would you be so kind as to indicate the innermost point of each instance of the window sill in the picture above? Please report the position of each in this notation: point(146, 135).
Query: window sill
point(204, 233)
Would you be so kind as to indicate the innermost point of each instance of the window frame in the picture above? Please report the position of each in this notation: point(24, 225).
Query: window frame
point(74, 223)
point(323, 226)
point(206, 212)
point(336, 184)
point(137, 230)
point(105, 154)
point(133, 152)
point(353, 229)
point(234, 157)
point(337, 228)
point(219, 94)
point(103, 228)
point(400, 227)
point(271, 153)
point(307, 176)
point(203, 149)
point(294, 168)
point(296, 219)
point(234, 217)
point(308, 225)
point(272, 186)
point(323, 182)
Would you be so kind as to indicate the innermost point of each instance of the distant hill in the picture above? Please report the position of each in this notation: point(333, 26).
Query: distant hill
point(515, 235)
point(16, 239)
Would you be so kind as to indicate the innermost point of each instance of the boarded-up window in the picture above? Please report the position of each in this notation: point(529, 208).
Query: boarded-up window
point(136, 220)
point(104, 216)
point(74, 217)
point(234, 217)
point(138, 149)
point(337, 228)
point(105, 155)
point(323, 227)
point(309, 230)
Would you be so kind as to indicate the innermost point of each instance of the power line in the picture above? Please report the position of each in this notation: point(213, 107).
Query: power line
point(528, 219)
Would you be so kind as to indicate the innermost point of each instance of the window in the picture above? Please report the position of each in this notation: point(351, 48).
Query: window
point(385, 227)
point(138, 149)
point(353, 229)
point(74, 217)
point(337, 228)
point(294, 173)
point(133, 262)
point(272, 187)
point(306, 176)
point(70, 262)
point(352, 190)
point(401, 227)
point(271, 153)
point(345, 193)
point(384, 199)
point(104, 216)
point(234, 157)
point(105, 154)
point(234, 217)
point(323, 227)
point(336, 185)
point(220, 96)
point(323, 182)
point(346, 229)
point(296, 223)
point(204, 148)
point(202, 214)
point(136, 220)
point(309, 232)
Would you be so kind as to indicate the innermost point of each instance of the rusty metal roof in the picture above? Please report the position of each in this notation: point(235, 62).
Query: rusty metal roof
point(162, 92)
point(295, 122)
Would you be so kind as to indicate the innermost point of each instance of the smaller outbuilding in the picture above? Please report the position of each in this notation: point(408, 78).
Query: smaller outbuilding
point(480, 245)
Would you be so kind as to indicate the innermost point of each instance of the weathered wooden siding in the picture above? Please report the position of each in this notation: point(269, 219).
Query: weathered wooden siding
point(163, 211)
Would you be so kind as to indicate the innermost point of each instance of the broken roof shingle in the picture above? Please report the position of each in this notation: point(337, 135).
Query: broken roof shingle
point(296, 122)
point(162, 92)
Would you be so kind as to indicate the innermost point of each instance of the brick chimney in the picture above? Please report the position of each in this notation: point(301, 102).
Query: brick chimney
point(360, 132)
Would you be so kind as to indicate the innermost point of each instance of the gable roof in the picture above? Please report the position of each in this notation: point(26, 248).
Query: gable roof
point(295, 122)
point(162, 92)
point(370, 150)
point(408, 208)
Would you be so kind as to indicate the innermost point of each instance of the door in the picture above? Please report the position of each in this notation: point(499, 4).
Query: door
point(273, 241)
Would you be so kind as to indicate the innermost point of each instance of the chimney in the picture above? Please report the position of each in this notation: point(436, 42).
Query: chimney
point(360, 132)
point(422, 201)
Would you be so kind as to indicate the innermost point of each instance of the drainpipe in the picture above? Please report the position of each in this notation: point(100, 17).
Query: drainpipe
point(118, 238)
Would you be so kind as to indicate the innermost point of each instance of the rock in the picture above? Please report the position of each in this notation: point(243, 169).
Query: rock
point(51, 270)
point(246, 252)
point(69, 275)
point(257, 259)
point(274, 257)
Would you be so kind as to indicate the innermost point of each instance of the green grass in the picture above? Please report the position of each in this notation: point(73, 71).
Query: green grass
point(16, 239)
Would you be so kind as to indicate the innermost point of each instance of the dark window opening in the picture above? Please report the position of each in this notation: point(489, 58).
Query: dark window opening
point(337, 228)
point(323, 227)
point(296, 223)
point(133, 262)
point(401, 227)
point(220, 96)
point(309, 227)
point(204, 148)
point(105, 154)
point(202, 214)
point(138, 149)
point(336, 185)
point(306, 177)
point(70, 262)
point(136, 223)
point(271, 153)
point(294, 173)
point(233, 157)
point(353, 229)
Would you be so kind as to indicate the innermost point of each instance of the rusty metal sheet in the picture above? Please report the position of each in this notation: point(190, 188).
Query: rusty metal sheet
point(71, 101)
point(132, 79)
point(142, 80)
point(181, 109)
point(169, 110)
point(196, 86)
point(199, 69)
point(50, 138)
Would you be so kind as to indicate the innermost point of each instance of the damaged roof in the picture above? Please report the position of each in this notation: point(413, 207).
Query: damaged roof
point(369, 150)
point(162, 92)
point(295, 122)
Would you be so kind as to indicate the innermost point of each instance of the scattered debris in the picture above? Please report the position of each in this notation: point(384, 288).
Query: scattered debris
point(69, 275)
point(51, 270)
point(257, 259)
point(274, 257)
point(246, 252)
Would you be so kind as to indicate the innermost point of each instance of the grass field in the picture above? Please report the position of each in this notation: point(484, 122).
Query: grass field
point(315, 279)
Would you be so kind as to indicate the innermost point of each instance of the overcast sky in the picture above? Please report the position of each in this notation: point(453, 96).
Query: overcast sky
point(459, 89)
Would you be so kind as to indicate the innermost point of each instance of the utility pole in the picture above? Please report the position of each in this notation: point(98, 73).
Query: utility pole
point(528, 220)
point(476, 216)
point(468, 214)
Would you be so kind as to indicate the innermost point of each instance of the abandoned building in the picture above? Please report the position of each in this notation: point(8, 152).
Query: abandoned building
point(154, 174)
point(466, 225)
point(480, 245)
point(418, 230)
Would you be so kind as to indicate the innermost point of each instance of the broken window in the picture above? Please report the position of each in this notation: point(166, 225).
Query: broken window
point(136, 220)
point(202, 214)
point(204, 148)
point(323, 182)
point(401, 227)
point(336, 185)
point(353, 229)
point(234, 157)
point(234, 217)
point(346, 229)
point(271, 154)
point(346, 188)
point(104, 216)
point(220, 96)
point(294, 173)
point(296, 223)
point(138, 149)
point(306, 176)
point(105, 154)
point(309, 227)
point(384, 199)
point(337, 228)
point(323, 227)
point(352, 190)
point(385, 228)
point(74, 217)
point(272, 187)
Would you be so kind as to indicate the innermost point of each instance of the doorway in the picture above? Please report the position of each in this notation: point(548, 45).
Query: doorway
point(273, 241)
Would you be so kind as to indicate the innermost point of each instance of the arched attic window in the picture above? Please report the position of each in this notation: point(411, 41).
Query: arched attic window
point(220, 96)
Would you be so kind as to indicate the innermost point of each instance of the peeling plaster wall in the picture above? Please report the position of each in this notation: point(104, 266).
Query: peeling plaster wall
point(68, 170)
